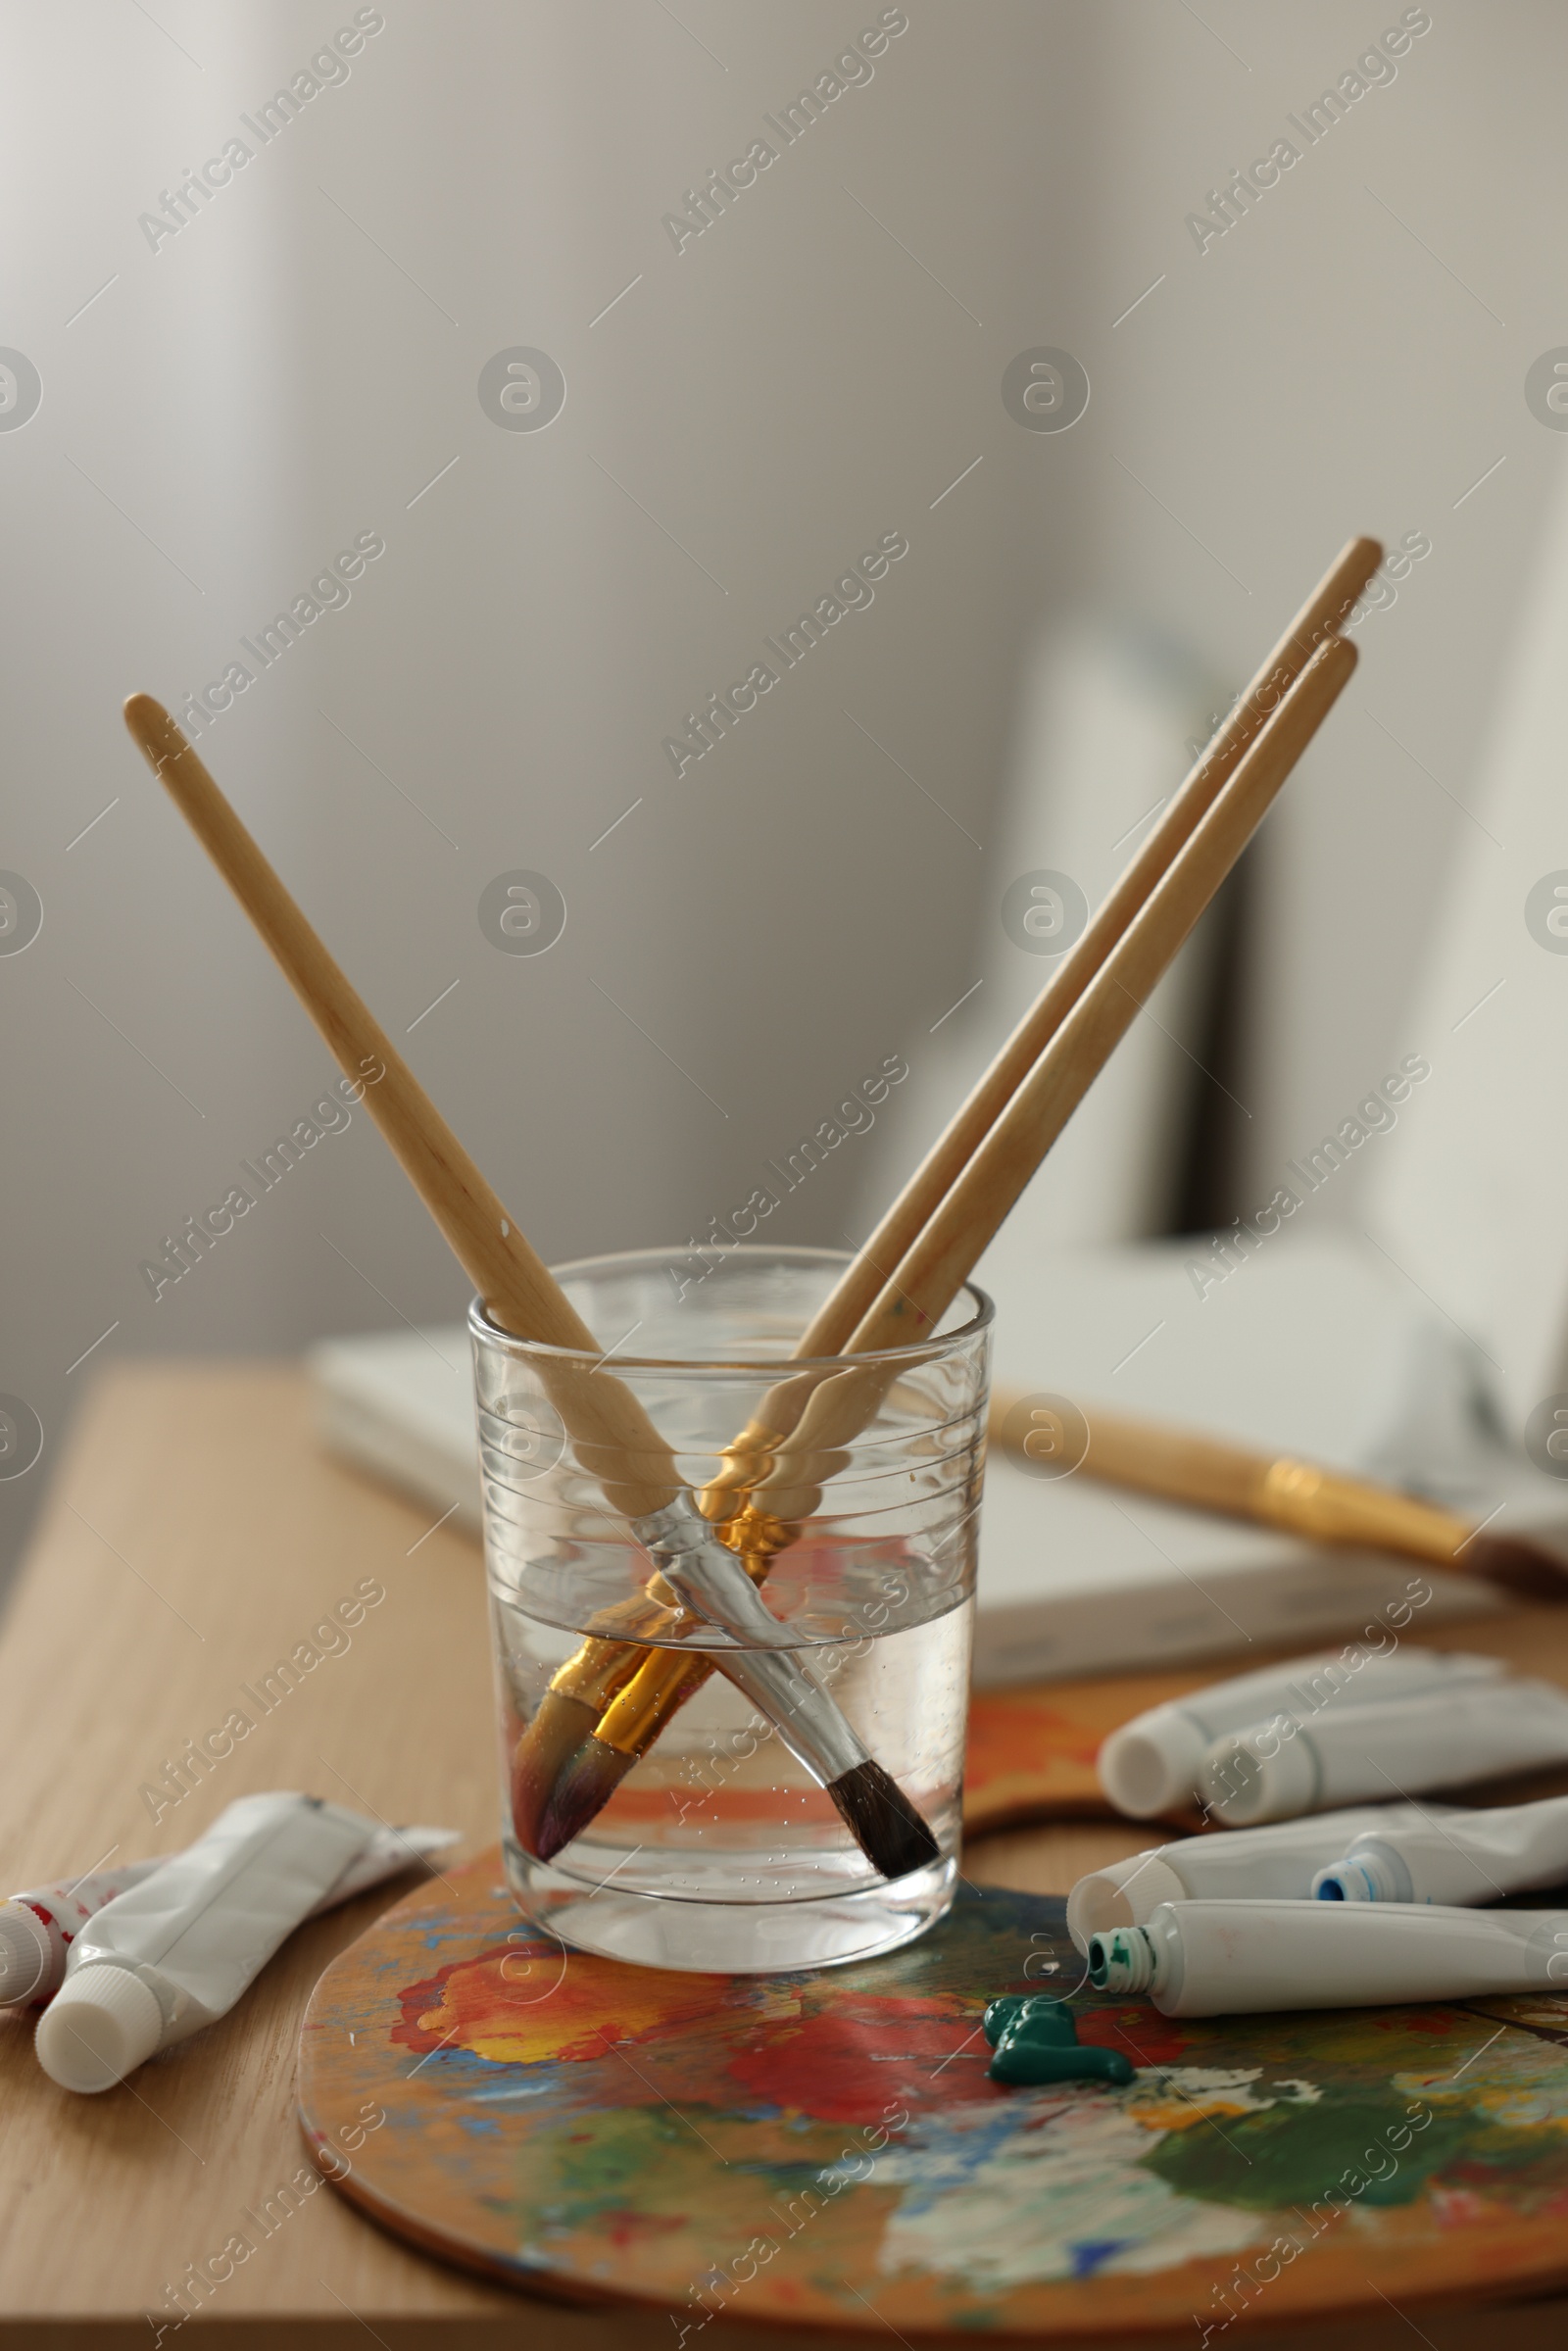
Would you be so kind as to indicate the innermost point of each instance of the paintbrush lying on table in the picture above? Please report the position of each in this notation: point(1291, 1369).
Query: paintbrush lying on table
point(610, 1432)
point(608, 1704)
point(1178, 1465)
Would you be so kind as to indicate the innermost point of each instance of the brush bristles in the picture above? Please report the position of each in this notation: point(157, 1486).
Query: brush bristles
point(1516, 1565)
point(583, 1788)
point(884, 1824)
point(542, 1758)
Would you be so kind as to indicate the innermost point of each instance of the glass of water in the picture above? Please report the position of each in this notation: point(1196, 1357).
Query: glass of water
point(657, 1808)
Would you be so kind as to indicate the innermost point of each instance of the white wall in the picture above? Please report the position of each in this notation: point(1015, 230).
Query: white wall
point(275, 379)
point(1322, 368)
point(795, 382)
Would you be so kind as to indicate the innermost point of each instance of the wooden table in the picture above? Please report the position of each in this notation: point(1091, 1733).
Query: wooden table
point(193, 1536)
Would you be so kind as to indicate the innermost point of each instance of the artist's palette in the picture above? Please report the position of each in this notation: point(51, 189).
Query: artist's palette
point(827, 2147)
point(1031, 1751)
point(1031, 1754)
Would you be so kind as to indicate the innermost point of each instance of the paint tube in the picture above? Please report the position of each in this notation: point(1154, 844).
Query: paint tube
point(1155, 1761)
point(1278, 1861)
point(177, 1951)
point(38, 1926)
point(1272, 1770)
point(1460, 1858)
point(1242, 1958)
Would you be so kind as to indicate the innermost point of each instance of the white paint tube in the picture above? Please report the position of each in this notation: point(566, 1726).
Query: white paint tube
point(1157, 1760)
point(1244, 1958)
point(1285, 1861)
point(38, 1926)
point(1271, 1771)
point(177, 1951)
point(1458, 1857)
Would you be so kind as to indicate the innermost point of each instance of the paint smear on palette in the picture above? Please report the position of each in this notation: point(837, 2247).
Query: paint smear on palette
point(1031, 1753)
point(1513, 2091)
point(1055, 2189)
point(804, 2057)
point(845, 2061)
point(1031, 1750)
point(1064, 2188)
point(568, 2123)
point(526, 2004)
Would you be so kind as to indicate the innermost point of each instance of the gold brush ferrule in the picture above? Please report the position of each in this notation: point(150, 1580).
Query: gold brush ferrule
point(606, 1658)
point(758, 1537)
point(594, 1673)
point(638, 1713)
point(1317, 1504)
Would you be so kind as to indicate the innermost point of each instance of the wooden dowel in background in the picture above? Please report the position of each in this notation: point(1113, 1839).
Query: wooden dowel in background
point(1297, 1498)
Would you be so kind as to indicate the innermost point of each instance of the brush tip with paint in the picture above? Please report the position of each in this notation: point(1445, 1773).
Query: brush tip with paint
point(882, 1820)
point(568, 1800)
point(561, 1727)
point(1516, 1564)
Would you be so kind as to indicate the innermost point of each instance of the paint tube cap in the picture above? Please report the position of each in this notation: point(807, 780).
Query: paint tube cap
point(101, 2025)
point(1260, 1775)
point(1154, 1763)
point(1123, 1894)
point(25, 1953)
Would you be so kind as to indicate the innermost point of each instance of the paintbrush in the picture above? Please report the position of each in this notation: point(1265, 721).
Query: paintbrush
point(1319, 1504)
point(610, 1432)
point(910, 1304)
point(594, 1676)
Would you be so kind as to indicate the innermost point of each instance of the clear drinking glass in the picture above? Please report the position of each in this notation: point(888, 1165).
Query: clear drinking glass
point(718, 1848)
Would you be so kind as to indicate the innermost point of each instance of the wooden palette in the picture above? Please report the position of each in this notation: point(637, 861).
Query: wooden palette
point(827, 2150)
point(1030, 1752)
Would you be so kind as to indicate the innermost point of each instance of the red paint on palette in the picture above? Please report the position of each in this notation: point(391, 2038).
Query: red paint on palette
point(845, 2063)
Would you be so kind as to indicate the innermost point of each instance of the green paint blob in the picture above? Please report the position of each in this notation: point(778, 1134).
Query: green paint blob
point(1049, 2020)
point(1035, 2037)
point(1025, 2064)
point(1042, 2025)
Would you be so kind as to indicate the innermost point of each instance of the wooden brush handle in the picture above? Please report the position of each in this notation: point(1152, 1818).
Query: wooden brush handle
point(857, 1291)
point(854, 1295)
point(786, 1452)
point(1177, 1465)
point(912, 1304)
point(810, 1416)
point(611, 1434)
point(1173, 1464)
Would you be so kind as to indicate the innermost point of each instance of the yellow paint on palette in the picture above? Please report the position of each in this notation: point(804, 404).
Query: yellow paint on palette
point(523, 2007)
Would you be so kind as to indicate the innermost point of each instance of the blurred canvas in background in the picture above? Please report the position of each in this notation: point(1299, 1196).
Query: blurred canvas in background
point(1103, 712)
